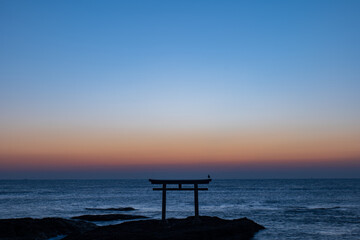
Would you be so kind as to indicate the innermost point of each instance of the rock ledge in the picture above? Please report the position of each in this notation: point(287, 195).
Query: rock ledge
point(209, 228)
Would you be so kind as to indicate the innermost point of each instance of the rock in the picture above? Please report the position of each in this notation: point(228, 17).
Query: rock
point(113, 209)
point(108, 217)
point(37, 229)
point(209, 228)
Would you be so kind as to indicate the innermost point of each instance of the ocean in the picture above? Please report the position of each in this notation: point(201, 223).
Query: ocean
point(289, 209)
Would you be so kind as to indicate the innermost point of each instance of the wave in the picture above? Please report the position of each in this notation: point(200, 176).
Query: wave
point(309, 209)
point(14, 192)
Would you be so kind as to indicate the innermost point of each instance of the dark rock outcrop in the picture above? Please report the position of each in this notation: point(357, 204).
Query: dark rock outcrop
point(122, 209)
point(207, 228)
point(38, 229)
point(108, 217)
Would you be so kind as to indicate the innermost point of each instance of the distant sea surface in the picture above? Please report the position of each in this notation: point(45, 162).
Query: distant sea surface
point(289, 209)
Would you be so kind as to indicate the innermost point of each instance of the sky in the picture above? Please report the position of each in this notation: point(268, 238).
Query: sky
point(137, 89)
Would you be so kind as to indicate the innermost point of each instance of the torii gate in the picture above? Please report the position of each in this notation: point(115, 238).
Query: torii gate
point(180, 188)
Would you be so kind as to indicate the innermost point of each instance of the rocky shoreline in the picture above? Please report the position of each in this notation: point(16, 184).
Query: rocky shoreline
point(40, 229)
point(209, 228)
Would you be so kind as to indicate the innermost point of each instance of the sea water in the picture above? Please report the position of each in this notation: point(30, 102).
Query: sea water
point(289, 209)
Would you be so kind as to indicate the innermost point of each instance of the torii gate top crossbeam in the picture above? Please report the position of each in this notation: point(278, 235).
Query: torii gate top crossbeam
point(187, 181)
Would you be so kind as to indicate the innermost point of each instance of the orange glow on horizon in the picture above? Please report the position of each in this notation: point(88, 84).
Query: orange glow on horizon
point(65, 148)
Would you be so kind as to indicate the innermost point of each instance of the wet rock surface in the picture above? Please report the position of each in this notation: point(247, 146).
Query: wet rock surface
point(108, 217)
point(121, 209)
point(209, 228)
point(38, 229)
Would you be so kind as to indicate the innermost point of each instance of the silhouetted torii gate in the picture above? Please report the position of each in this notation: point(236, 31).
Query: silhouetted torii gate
point(180, 188)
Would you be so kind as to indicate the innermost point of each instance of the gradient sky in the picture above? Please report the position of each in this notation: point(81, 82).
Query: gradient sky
point(144, 88)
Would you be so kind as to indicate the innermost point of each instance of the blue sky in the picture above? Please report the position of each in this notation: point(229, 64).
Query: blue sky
point(180, 65)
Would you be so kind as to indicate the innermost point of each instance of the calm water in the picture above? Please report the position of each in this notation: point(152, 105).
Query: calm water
point(289, 209)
